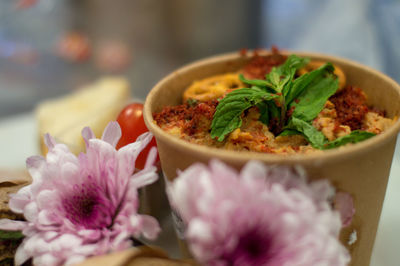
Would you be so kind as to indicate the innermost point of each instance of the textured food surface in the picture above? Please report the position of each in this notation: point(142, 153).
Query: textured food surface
point(344, 112)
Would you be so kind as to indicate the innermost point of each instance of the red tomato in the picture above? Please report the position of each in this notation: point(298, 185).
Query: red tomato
point(132, 126)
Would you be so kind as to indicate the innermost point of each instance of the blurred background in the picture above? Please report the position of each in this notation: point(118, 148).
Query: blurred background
point(51, 47)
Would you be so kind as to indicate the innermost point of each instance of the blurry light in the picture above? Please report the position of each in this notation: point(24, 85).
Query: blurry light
point(23, 4)
point(74, 47)
point(18, 52)
point(113, 56)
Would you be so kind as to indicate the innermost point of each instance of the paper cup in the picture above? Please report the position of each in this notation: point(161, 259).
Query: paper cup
point(361, 169)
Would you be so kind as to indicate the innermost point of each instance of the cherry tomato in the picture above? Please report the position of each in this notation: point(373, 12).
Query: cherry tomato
point(132, 126)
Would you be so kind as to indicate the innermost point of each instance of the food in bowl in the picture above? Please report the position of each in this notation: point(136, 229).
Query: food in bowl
point(361, 170)
point(274, 104)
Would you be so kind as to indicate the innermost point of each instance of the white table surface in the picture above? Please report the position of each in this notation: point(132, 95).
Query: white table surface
point(19, 140)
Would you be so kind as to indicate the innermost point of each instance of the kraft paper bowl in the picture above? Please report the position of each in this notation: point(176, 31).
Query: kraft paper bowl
point(361, 169)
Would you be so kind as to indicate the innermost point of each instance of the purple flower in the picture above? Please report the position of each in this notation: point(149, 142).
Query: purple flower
point(82, 206)
point(260, 216)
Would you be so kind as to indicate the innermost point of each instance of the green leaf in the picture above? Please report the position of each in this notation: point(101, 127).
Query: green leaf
point(354, 137)
point(227, 115)
point(274, 110)
point(10, 235)
point(317, 138)
point(279, 76)
point(313, 136)
point(315, 89)
point(268, 110)
point(255, 82)
point(264, 112)
point(274, 77)
point(301, 83)
point(289, 132)
point(278, 79)
point(294, 62)
point(283, 75)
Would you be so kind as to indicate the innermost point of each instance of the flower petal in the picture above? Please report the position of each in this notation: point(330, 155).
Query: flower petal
point(37, 245)
point(200, 229)
point(150, 227)
point(253, 170)
point(21, 254)
point(66, 241)
point(87, 250)
point(144, 177)
point(90, 234)
point(151, 157)
point(87, 134)
point(122, 237)
point(45, 198)
point(73, 260)
point(128, 154)
point(31, 211)
point(100, 152)
point(47, 259)
point(112, 133)
point(36, 166)
point(50, 235)
point(46, 217)
point(11, 225)
point(69, 170)
point(19, 200)
point(49, 141)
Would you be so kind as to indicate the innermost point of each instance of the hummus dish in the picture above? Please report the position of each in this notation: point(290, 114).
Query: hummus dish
point(274, 104)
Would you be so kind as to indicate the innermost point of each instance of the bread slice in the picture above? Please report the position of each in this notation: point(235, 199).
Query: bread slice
point(94, 105)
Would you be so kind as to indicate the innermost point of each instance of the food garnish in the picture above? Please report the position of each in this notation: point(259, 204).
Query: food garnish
point(287, 103)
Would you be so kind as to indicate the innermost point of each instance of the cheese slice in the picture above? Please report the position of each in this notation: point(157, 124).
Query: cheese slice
point(94, 105)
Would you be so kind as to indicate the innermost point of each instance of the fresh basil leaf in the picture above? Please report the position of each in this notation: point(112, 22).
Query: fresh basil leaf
point(294, 62)
point(354, 137)
point(289, 132)
point(9, 235)
point(274, 77)
point(314, 95)
point(301, 83)
point(274, 110)
point(227, 115)
point(264, 112)
point(278, 79)
point(280, 76)
point(313, 136)
point(268, 110)
point(284, 74)
point(255, 82)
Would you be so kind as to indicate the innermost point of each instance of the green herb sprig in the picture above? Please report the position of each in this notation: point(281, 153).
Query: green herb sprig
point(304, 96)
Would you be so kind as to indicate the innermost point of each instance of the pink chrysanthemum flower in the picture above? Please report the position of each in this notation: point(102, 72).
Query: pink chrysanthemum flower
point(260, 216)
point(82, 206)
